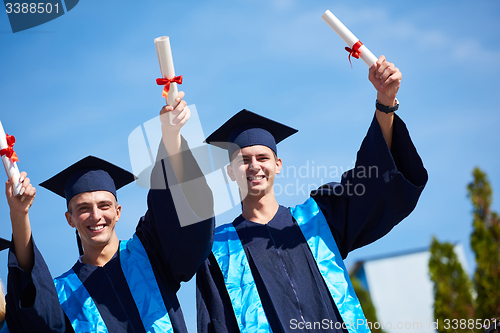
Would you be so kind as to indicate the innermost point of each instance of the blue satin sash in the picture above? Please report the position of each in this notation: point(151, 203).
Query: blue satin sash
point(247, 306)
point(143, 286)
point(77, 304)
point(81, 310)
point(324, 249)
point(4, 328)
point(240, 285)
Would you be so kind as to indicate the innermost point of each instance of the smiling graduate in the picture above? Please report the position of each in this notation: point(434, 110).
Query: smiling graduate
point(115, 286)
point(281, 269)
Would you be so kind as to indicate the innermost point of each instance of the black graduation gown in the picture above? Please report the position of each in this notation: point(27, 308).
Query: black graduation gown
point(292, 290)
point(175, 253)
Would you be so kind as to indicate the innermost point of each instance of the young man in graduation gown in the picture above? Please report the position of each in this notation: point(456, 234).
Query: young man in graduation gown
point(281, 269)
point(116, 286)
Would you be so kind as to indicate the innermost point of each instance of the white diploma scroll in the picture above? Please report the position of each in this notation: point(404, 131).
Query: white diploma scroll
point(10, 166)
point(167, 68)
point(348, 37)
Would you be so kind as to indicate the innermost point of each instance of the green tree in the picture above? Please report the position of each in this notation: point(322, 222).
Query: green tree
point(366, 304)
point(485, 242)
point(452, 287)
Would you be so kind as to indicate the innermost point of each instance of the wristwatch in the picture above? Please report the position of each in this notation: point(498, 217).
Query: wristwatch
point(387, 109)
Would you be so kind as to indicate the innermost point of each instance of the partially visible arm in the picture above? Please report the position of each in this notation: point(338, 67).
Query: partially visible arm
point(378, 193)
point(386, 78)
point(2, 303)
point(171, 133)
point(32, 302)
point(21, 228)
point(178, 226)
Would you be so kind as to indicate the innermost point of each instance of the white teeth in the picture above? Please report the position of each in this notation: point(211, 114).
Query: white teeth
point(256, 177)
point(97, 228)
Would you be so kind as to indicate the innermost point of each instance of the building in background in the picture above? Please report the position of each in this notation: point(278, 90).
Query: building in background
point(401, 289)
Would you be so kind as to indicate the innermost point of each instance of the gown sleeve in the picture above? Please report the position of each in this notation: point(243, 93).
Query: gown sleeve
point(178, 227)
point(32, 302)
point(213, 305)
point(381, 190)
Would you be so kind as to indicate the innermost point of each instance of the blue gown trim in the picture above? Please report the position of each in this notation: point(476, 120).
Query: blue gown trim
point(77, 304)
point(4, 328)
point(240, 285)
point(83, 313)
point(324, 249)
point(143, 286)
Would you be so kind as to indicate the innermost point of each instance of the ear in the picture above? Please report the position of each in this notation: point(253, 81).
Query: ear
point(70, 221)
point(279, 164)
point(118, 212)
point(230, 172)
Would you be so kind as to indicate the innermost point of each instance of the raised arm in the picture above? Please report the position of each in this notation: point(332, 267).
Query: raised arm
point(171, 133)
point(32, 302)
point(178, 226)
point(388, 177)
point(381, 190)
point(386, 78)
point(19, 216)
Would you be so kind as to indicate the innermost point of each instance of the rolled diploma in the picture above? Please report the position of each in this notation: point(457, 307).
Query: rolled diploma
point(167, 68)
point(10, 167)
point(348, 37)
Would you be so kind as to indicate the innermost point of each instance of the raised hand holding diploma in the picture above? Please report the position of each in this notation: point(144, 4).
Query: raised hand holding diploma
point(169, 80)
point(384, 76)
point(386, 79)
point(355, 47)
point(9, 159)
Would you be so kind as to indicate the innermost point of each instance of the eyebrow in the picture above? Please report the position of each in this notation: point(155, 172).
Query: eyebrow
point(86, 203)
point(258, 155)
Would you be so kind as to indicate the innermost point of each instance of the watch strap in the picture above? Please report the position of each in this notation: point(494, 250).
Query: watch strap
point(385, 108)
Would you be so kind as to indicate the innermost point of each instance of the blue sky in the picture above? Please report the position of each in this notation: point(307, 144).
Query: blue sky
point(79, 85)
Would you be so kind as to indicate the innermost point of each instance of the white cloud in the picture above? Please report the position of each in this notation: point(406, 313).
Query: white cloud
point(454, 49)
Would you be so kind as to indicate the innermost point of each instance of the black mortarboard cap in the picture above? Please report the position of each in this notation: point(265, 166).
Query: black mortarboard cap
point(249, 129)
point(88, 175)
point(4, 244)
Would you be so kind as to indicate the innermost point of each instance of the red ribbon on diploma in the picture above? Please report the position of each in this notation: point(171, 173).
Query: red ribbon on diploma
point(166, 82)
point(354, 51)
point(9, 151)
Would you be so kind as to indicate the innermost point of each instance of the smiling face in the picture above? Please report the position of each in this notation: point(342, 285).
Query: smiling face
point(254, 169)
point(94, 215)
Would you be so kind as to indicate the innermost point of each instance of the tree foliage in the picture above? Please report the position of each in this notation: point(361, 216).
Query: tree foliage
point(452, 296)
point(366, 304)
point(452, 287)
point(485, 242)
